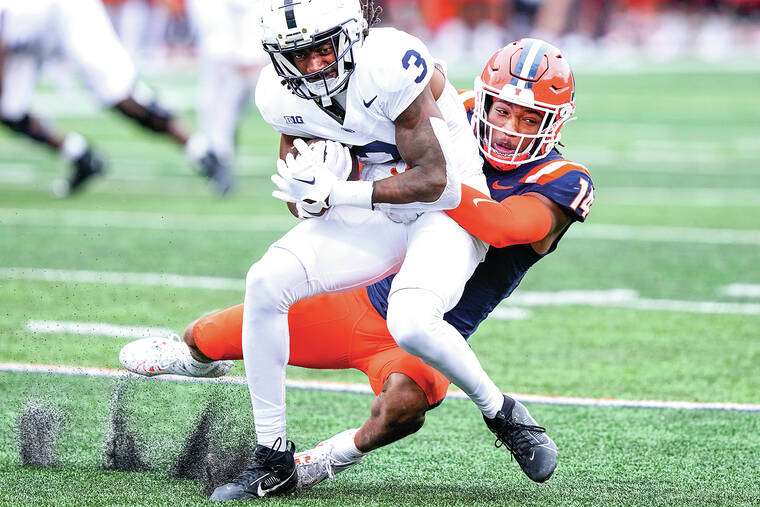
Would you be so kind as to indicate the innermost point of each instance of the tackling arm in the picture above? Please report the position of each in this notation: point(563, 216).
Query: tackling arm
point(519, 219)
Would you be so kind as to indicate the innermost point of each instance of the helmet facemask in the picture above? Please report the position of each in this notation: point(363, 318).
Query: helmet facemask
point(528, 147)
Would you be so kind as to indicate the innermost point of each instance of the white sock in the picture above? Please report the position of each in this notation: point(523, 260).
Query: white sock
point(344, 448)
point(73, 147)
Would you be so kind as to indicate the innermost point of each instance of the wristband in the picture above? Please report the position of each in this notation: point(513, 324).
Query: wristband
point(352, 193)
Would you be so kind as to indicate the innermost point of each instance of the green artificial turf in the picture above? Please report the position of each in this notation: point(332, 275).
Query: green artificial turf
point(667, 153)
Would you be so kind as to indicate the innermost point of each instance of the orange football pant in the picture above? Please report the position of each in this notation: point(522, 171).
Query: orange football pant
point(329, 331)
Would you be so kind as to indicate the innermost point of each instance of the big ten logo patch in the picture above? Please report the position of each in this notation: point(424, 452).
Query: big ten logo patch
point(293, 120)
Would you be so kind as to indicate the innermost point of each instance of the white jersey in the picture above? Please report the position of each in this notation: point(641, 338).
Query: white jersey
point(392, 69)
point(33, 29)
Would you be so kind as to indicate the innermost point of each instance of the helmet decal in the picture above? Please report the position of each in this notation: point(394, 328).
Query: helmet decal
point(527, 65)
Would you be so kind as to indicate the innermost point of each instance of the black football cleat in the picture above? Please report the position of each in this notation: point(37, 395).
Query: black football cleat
point(217, 172)
point(270, 473)
point(84, 168)
point(529, 444)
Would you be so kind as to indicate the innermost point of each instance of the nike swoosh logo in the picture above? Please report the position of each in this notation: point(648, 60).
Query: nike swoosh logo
point(367, 104)
point(496, 186)
point(479, 200)
point(308, 182)
point(261, 492)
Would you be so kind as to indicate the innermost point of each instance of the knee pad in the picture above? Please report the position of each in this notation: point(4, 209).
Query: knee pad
point(276, 281)
point(413, 315)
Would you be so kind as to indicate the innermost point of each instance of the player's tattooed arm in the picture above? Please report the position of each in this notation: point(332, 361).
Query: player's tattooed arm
point(418, 145)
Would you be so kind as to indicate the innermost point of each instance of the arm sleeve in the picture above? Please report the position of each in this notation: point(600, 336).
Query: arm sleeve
point(518, 219)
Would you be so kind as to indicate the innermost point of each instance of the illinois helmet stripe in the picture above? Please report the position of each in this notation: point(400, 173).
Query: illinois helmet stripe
point(528, 63)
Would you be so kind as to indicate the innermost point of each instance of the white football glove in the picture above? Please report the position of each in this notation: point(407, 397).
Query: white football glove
point(306, 210)
point(337, 158)
point(309, 177)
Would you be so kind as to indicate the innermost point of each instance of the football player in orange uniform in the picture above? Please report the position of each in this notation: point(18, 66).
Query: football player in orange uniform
point(521, 101)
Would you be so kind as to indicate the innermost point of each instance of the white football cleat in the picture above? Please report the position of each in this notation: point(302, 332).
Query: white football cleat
point(318, 464)
point(167, 356)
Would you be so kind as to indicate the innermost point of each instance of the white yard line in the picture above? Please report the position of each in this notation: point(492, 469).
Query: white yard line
point(707, 307)
point(665, 234)
point(572, 297)
point(691, 197)
point(117, 278)
point(163, 221)
point(314, 385)
point(95, 329)
point(143, 220)
point(509, 313)
point(14, 172)
point(508, 310)
point(741, 290)
point(627, 298)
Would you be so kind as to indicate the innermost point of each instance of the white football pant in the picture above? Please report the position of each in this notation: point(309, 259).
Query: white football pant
point(350, 248)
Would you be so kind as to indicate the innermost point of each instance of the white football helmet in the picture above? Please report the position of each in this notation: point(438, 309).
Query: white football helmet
point(294, 25)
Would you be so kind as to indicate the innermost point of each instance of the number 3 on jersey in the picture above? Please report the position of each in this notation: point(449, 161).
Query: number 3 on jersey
point(412, 57)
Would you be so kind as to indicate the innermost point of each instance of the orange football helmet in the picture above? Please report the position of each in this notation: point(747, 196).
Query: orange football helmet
point(530, 73)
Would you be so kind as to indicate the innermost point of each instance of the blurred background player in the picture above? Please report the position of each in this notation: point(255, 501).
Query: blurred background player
point(32, 32)
point(144, 25)
point(230, 57)
point(517, 111)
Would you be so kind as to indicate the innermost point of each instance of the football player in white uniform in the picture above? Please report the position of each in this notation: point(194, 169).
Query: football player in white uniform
point(231, 56)
point(33, 30)
point(380, 92)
